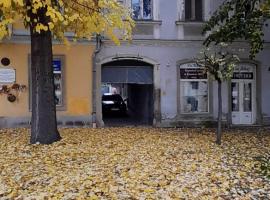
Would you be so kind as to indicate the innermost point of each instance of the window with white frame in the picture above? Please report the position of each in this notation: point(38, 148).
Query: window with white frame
point(194, 10)
point(193, 89)
point(142, 9)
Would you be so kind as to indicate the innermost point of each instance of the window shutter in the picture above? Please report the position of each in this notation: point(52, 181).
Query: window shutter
point(188, 9)
point(198, 10)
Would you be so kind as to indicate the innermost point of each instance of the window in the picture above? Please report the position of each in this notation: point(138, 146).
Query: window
point(193, 10)
point(58, 82)
point(193, 89)
point(58, 65)
point(235, 97)
point(142, 9)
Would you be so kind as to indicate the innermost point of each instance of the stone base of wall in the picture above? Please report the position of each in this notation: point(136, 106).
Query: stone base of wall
point(14, 122)
point(191, 123)
point(62, 121)
point(266, 121)
point(207, 124)
point(74, 121)
point(86, 121)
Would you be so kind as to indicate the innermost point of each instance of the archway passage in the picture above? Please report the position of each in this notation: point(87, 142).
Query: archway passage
point(127, 93)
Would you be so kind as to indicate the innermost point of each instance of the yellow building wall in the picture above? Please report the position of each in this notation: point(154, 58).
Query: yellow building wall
point(18, 25)
point(77, 74)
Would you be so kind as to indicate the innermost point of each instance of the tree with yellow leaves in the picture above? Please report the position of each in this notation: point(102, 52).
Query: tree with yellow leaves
point(47, 19)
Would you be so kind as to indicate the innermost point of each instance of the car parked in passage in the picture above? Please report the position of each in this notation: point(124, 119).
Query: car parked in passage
point(113, 104)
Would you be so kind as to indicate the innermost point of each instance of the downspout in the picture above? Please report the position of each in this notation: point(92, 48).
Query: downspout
point(94, 78)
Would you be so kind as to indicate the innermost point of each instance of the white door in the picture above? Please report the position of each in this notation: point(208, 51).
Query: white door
point(243, 96)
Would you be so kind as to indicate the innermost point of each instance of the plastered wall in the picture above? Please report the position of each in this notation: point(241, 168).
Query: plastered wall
point(77, 76)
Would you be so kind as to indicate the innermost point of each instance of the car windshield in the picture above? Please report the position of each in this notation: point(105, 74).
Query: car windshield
point(114, 97)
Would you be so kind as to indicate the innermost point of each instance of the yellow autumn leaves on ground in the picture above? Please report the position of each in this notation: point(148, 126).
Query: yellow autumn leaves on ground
point(134, 163)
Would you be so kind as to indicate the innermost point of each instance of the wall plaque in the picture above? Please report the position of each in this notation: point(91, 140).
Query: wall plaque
point(7, 75)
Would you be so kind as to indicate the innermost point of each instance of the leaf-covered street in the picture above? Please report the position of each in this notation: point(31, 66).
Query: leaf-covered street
point(134, 163)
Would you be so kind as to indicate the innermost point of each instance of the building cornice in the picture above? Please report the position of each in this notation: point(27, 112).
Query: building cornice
point(176, 43)
point(25, 39)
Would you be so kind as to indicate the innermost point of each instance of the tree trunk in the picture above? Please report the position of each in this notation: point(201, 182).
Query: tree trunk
point(218, 141)
point(43, 123)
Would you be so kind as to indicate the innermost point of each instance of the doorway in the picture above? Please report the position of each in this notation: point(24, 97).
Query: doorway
point(132, 80)
point(243, 96)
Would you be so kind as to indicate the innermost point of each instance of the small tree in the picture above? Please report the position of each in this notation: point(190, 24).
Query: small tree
point(219, 63)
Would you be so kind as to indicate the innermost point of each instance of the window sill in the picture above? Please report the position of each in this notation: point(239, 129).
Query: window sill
point(192, 23)
point(195, 113)
point(194, 116)
point(148, 22)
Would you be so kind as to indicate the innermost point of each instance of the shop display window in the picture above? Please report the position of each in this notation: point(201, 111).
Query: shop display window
point(193, 89)
point(58, 78)
point(57, 72)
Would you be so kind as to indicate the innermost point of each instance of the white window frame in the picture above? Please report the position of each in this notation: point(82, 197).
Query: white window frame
point(141, 17)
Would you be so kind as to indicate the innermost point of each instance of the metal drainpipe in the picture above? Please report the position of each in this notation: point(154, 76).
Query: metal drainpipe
point(94, 78)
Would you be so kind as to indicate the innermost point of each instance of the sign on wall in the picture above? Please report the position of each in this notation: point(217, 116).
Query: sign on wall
point(56, 66)
point(244, 71)
point(243, 75)
point(7, 75)
point(192, 73)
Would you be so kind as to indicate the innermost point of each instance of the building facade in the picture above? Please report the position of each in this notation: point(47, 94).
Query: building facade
point(167, 37)
point(155, 73)
point(72, 77)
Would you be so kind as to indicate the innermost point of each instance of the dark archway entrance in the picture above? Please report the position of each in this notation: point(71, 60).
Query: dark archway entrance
point(133, 81)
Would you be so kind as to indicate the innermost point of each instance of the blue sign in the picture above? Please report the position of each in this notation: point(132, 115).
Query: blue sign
point(57, 65)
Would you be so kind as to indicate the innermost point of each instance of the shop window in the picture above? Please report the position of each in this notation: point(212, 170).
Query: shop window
point(193, 10)
point(58, 81)
point(142, 9)
point(193, 89)
point(58, 67)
